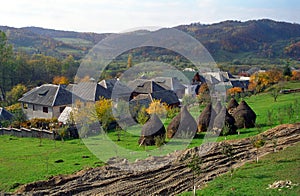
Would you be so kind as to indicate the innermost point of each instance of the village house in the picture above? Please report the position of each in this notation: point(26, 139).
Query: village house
point(46, 101)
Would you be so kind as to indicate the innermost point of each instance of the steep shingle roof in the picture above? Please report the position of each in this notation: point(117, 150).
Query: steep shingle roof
point(145, 86)
point(171, 83)
point(90, 91)
point(5, 115)
point(166, 96)
point(48, 95)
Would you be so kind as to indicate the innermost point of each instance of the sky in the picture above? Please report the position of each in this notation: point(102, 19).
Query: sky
point(113, 16)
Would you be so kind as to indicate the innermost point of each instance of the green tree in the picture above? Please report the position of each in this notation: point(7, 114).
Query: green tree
point(227, 150)
point(274, 93)
point(142, 116)
point(287, 70)
point(195, 165)
point(258, 142)
point(6, 63)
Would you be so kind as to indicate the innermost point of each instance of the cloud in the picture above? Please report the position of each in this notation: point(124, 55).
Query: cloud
point(115, 16)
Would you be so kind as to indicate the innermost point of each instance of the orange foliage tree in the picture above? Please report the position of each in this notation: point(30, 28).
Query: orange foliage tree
point(295, 75)
point(234, 90)
point(60, 80)
point(260, 81)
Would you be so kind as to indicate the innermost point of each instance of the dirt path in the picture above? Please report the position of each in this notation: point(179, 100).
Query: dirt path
point(171, 178)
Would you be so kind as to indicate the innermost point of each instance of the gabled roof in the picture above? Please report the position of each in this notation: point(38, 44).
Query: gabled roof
point(170, 83)
point(166, 96)
point(48, 95)
point(5, 115)
point(90, 91)
point(145, 86)
point(108, 84)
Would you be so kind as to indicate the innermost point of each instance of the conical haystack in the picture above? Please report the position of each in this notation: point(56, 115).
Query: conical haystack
point(151, 129)
point(182, 126)
point(232, 105)
point(205, 117)
point(225, 123)
point(217, 107)
point(244, 116)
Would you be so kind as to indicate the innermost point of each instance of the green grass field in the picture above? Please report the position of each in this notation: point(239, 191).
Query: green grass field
point(23, 160)
point(253, 178)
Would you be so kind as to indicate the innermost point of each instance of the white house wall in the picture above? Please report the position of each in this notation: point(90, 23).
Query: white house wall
point(37, 112)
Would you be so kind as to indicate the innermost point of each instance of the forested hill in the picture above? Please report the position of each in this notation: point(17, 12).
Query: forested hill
point(56, 43)
point(229, 41)
point(234, 40)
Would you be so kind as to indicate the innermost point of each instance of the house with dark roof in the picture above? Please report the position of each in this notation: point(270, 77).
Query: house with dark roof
point(90, 91)
point(146, 91)
point(46, 101)
point(116, 89)
point(171, 83)
point(142, 86)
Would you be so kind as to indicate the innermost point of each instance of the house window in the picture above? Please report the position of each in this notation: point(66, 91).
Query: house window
point(61, 109)
point(33, 107)
point(25, 105)
point(45, 109)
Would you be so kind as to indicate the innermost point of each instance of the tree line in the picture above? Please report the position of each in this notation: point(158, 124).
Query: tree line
point(30, 70)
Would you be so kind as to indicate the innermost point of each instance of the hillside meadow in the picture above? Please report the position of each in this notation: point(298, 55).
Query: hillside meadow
point(26, 160)
point(254, 178)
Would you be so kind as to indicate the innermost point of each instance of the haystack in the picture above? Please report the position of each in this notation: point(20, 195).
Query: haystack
point(244, 116)
point(151, 129)
point(217, 107)
point(232, 105)
point(224, 123)
point(205, 117)
point(182, 126)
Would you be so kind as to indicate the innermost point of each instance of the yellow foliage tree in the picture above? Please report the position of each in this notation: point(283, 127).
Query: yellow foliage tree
point(60, 80)
point(104, 112)
point(158, 108)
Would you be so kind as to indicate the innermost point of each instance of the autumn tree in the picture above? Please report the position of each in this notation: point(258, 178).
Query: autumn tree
point(104, 112)
point(295, 75)
point(274, 76)
point(60, 80)
point(129, 61)
point(258, 82)
point(158, 108)
point(15, 93)
point(234, 90)
point(203, 94)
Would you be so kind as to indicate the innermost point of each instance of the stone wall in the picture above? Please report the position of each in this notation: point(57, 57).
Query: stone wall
point(23, 132)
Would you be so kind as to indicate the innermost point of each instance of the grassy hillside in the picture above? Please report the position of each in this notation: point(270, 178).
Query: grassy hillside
point(254, 178)
point(38, 162)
